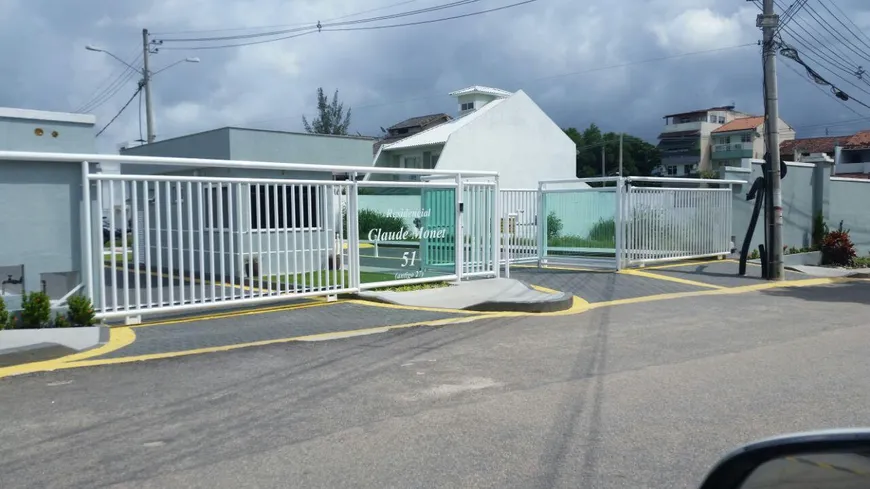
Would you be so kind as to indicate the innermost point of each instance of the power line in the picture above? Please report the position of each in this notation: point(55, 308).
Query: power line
point(838, 19)
point(119, 112)
point(274, 26)
point(319, 25)
point(793, 54)
point(100, 92)
point(108, 95)
point(826, 92)
point(831, 29)
point(322, 28)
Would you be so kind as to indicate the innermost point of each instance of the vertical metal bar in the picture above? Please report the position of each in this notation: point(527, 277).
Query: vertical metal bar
point(125, 262)
point(169, 249)
point(316, 208)
point(204, 227)
point(354, 274)
point(112, 259)
point(251, 217)
point(101, 258)
point(459, 238)
point(211, 221)
point(146, 212)
point(137, 244)
point(276, 273)
point(287, 210)
point(190, 236)
point(295, 230)
point(269, 227)
point(180, 231)
point(158, 225)
point(308, 237)
point(88, 234)
point(260, 226)
point(341, 238)
point(324, 207)
point(620, 183)
point(232, 203)
point(222, 277)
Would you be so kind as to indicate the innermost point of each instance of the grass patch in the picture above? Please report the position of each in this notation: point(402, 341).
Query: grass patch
point(119, 257)
point(580, 242)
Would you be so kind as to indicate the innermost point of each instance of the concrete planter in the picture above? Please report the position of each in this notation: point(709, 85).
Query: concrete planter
point(31, 345)
point(797, 259)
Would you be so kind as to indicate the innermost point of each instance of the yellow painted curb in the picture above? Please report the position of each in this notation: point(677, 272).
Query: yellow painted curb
point(232, 314)
point(118, 338)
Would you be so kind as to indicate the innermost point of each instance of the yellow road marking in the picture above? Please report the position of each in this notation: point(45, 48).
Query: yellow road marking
point(386, 305)
point(231, 314)
point(118, 338)
point(307, 338)
point(639, 273)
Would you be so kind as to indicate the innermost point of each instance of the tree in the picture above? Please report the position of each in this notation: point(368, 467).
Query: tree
point(331, 117)
point(638, 156)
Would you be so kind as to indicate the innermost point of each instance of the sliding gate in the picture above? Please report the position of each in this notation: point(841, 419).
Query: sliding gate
point(613, 222)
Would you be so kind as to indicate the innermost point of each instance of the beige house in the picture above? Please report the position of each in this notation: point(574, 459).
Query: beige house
point(685, 143)
point(742, 138)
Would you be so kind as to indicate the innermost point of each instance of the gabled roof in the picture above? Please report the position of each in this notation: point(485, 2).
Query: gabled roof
point(811, 145)
point(422, 120)
point(742, 124)
point(440, 133)
point(496, 92)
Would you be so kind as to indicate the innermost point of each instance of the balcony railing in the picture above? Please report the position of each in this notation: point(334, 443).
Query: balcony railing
point(732, 147)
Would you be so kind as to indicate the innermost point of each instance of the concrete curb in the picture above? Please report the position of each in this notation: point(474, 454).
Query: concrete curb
point(18, 346)
point(560, 301)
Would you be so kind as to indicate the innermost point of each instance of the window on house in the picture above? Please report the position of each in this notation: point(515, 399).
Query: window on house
point(411, 162)
point(467, 106)
point(746, 138)
point(712, 118)
point(672, 170)
point(298, 206)
point(721, 119)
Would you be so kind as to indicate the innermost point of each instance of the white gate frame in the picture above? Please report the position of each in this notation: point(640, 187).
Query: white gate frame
point(626, 232)
point(485, 222)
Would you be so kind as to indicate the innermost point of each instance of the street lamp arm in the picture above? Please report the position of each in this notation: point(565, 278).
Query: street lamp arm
point(100, 50)
point(185, 60)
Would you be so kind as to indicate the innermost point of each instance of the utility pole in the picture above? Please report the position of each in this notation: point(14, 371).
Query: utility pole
point(769, 22)
point(146, 82)
point(603, 165)
point(620, 153)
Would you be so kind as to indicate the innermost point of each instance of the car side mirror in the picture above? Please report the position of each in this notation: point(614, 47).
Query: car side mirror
point(834, 459)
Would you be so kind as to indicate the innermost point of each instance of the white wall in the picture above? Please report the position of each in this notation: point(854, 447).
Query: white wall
point(515, 138)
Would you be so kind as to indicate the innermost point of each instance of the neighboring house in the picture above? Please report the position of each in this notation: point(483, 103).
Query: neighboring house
point(798, 149)
point(684, 142)
point(409, 127)
point(853, 158)
point(850, 153)
point(494, 130)
point(742, 138)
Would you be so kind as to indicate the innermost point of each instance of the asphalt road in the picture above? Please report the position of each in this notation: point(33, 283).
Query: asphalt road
point(637, 396)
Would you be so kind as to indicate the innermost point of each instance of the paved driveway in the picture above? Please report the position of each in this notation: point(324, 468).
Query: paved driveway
point(644, 395)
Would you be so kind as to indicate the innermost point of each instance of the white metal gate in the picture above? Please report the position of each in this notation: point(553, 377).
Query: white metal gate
point(619, 222)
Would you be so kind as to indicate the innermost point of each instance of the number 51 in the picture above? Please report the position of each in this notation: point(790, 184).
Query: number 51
point(409, 258)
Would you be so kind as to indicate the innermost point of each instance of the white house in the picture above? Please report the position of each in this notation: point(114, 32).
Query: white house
point(494, 130)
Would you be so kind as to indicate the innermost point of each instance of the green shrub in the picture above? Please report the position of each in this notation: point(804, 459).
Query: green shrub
point(754, 255)
point(4, 314)
point(81, 311)
point(61, 321)
point(603, 230)
point(554, 225)
point(369, 219)
point(35, 310)
point(837, 248)
point(820, 229)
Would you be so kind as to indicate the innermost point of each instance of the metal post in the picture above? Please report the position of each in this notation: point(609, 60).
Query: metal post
point(353, 240)
point(541, 221)
point(88, 238)
point(496, 212)
point(146, 82)
point(618, 228)
point(769, 22)
point(459, 238)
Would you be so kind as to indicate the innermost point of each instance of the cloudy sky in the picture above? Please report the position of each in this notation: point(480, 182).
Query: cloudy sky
point(618, 64)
